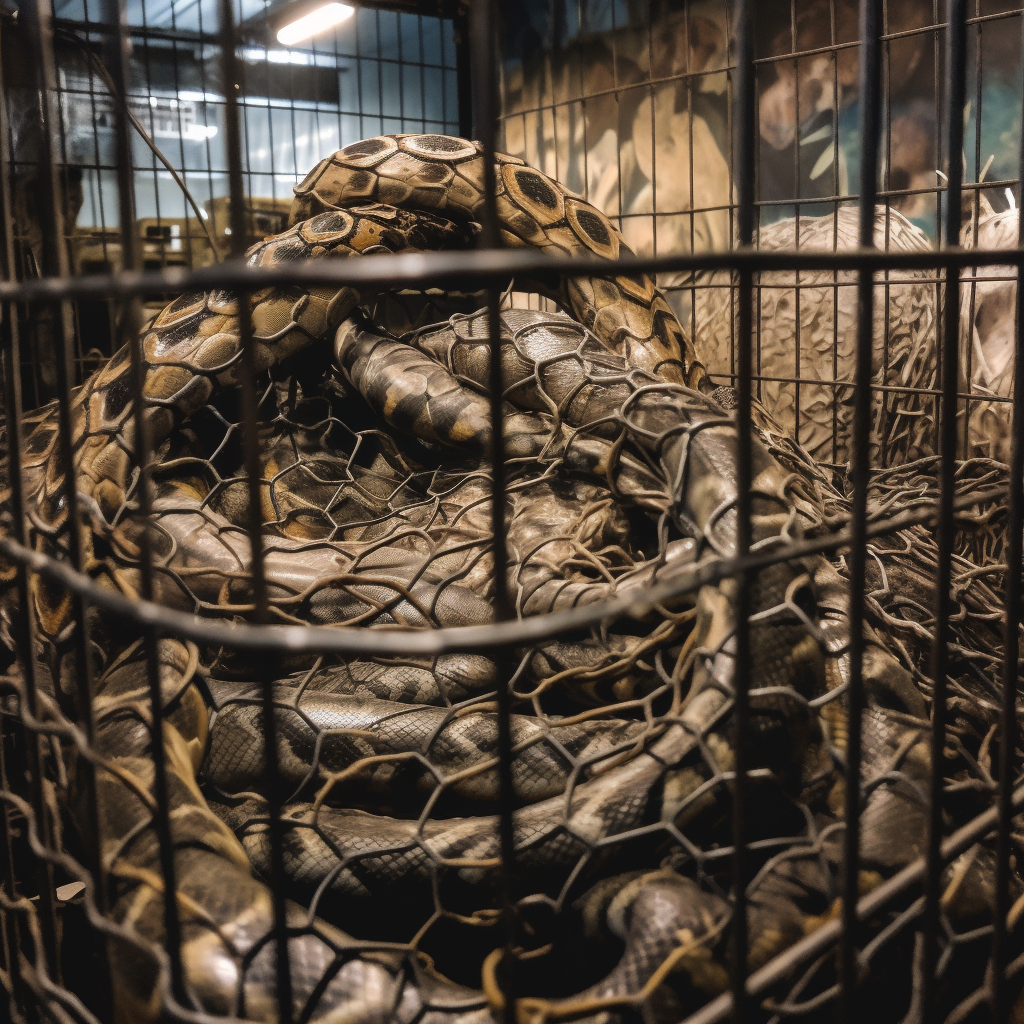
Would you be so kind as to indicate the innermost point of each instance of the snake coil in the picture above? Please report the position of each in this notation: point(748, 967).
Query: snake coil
point(375, 500)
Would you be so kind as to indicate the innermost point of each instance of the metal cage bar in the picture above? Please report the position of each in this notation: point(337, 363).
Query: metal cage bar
point(482, 33)
point(232, 77)
point(129, 337)
point(40, 19)
point(1008, 719)
point(869, 73)
point(743, 149)
point(956, 55)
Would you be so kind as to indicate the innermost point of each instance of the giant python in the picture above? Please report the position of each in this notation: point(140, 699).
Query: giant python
point(622, 736)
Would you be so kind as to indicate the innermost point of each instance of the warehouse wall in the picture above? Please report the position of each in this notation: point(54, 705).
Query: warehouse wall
point(377, 72)
point(627, 102)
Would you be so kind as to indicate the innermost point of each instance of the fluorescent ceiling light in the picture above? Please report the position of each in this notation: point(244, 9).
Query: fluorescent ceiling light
point(200, 132)
point(314, 23)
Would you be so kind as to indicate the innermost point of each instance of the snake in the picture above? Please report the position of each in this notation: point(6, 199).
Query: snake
point(445, 176)
point(612, 403)
point(805, 327)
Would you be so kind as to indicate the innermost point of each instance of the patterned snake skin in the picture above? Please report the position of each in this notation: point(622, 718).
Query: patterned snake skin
point(621, 736)
point(445, 176)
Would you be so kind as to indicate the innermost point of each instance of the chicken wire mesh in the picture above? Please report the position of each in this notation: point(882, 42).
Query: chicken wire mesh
point(662, 714)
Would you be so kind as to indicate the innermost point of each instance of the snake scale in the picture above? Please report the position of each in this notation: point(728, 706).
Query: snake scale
point(375, 501)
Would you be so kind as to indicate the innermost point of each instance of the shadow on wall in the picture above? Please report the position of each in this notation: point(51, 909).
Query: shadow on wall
point(628, 102)
point(635, 118)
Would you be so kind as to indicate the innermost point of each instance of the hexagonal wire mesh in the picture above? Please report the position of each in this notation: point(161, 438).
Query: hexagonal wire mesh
point(683, 731)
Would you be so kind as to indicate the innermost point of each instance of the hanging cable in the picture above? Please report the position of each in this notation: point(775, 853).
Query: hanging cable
point(104, 75)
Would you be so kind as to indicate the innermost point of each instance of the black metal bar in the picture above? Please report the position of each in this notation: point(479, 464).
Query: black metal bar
point(26, 634)
point(956, 73)
point(178, 35)
point(937, 85)
point(902, 193)
point(10, 951)
point(11, 356)
point(744, 134)
point(1008, 728)
point(463, 73)
point(355, 640)
point(975, 200)
point(128, 335)
point(480, 268)
point(39, 22)
point(193, 36)
point(233, 86)
point(482, 25)
point(870, 100)
point(797, 291)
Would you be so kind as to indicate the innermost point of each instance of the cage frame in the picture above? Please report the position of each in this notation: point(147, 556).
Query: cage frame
point(488, 268)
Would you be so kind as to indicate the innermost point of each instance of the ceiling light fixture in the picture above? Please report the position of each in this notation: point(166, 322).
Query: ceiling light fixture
point(314, 23)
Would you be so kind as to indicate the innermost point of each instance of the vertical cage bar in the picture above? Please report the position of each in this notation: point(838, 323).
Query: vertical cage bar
point(26, 637)
point(463, 72)
point(55, 264)
point(10, 366)
point(956, 74)
point(1008, 730)
point(974, 218)
point(483, 55)
point(870, 100)
point(9, 938)
point(128, 335)
point(744, 127)
point(233, 86)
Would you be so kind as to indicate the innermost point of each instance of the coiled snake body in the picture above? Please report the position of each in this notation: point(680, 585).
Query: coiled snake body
point(621, 735)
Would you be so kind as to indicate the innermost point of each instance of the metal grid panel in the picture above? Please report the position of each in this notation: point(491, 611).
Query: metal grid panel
point(935, 530)
point(581, 82)
point(379, 72)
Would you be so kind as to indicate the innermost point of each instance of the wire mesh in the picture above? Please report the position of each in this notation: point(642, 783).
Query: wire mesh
point(382, 71)
point(581, 83)
point(378, 650)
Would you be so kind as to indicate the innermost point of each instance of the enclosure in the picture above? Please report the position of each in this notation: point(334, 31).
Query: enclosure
point(599, 599)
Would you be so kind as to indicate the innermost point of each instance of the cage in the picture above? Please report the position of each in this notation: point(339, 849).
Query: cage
point(597, 601)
